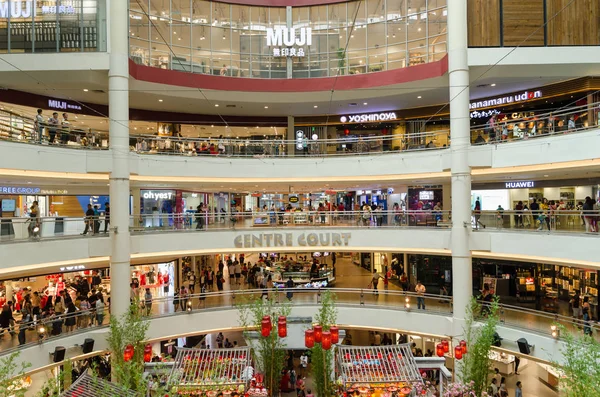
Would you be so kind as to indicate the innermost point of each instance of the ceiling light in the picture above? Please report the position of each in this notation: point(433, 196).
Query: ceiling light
point(85, 90)
point(216, 105)
point(493, 84)
point(419, 29)
point(174, 32)
point(266, 107)
point(365, 103)
point(419, 97)
point(160, 100)
point(546, 176)
point(315, 106)
point(212, 126)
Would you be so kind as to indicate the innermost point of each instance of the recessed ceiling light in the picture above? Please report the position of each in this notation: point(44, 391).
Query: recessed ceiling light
point(216, 105)
point(546, 176)
point(365, 103)
point(212, 126)
point(85, 90)
point(419, 97)
point(315, 106)
point(160, 100)
point(266, 107)
point(493, 84)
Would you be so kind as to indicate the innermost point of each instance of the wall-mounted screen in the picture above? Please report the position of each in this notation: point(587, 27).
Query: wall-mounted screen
point(8, 205)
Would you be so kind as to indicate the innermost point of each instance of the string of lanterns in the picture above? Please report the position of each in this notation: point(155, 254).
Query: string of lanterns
point(266, 326)
point(325, 338)
point(444, 347)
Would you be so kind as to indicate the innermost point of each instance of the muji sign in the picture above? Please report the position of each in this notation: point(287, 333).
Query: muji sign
point(291, 39)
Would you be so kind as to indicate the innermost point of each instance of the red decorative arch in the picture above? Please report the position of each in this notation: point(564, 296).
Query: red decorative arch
point(351, 82)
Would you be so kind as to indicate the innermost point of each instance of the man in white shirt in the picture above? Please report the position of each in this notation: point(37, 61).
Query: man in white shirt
point(39, 126)
point(420, 290)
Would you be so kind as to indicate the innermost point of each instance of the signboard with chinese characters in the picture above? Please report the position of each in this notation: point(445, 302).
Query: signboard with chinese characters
point(289, 42)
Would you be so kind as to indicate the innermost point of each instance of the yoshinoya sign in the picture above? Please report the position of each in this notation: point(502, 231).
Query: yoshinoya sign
point(157, 195)
point(263, 240)
point(26, 9)
point(506, 100)
point(62, 105)
point(289, 42)
point(519, 185)
point(363, 118)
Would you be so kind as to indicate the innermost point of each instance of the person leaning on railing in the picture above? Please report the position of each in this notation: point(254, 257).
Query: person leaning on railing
point(39, 126)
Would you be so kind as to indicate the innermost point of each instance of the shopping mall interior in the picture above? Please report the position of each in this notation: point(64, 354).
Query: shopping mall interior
point(383, 198)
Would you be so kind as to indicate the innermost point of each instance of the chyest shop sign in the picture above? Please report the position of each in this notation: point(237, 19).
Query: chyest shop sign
point(362, 118)
point(287, 240)
point(152, 195)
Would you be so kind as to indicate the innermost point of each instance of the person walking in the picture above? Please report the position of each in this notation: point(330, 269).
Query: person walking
point(89, 218)
point(106, 217)
point(420, 290)
point(289, 285)
point(477, 215)
point(183, 298)
point(99, 309)
point(375, 282)
point(519, 389)
point(53, 127)
point(39, 126)
point(148, 301)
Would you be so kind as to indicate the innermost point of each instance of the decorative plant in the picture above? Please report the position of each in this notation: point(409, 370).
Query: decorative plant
point(462, 390)
point(11, 373)
point(322, 360)
point(480, 337)
point(341, 54)
point(130, 329)
point(580, 366)
point(269, 354)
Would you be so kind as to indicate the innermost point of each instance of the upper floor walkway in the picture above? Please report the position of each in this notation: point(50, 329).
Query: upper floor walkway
point(58, 243)
point(565, 138)
point(388, 311)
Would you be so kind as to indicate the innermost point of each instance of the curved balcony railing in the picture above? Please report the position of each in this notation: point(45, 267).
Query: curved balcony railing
point(53, 326)
point(542, 221)
point(499, 130)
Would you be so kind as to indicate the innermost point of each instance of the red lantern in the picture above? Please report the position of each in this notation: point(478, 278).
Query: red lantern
point(458, 352)
point(309, 338)
point(463, 345)
point(265, 328)
point(318, 333)
point(335, 334)
point(446, 345)
point(346, 131)
point(282, 318)
point(282, 328)
point(268, 318)
point(128, 353)
point(439, 350)
point(326, 340)
point(147, 353)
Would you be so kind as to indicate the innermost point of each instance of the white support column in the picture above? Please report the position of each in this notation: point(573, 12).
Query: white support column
point(460, 173)
point(118, 107)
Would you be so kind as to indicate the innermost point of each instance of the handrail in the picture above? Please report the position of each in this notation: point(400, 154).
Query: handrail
point(511, 316)
point(542, 125)
point(544, 220)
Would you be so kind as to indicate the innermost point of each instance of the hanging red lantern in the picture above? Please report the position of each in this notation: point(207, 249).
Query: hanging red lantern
point(268, 318)
point(458, 352)
point(147, 353)
point(463, 345)
point(446, 345)
point(282, 318)
point(265, 328)
point(346, 131)
point(282, 328)
point(439, 350)
point(326, 340)
point(128, 353)
point(318, 333)
point(309, 338)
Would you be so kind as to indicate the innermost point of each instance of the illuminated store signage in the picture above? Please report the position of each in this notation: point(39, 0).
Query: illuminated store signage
point(72, 268)
point(24, 9)
point(506, 100)
point(17, 9)
point(19, 190)
point(481, 114)
point(153, 195)
point(519, 185)
point(285, 43)
point(362, 118)
point(291, 240)
point(62, 105)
